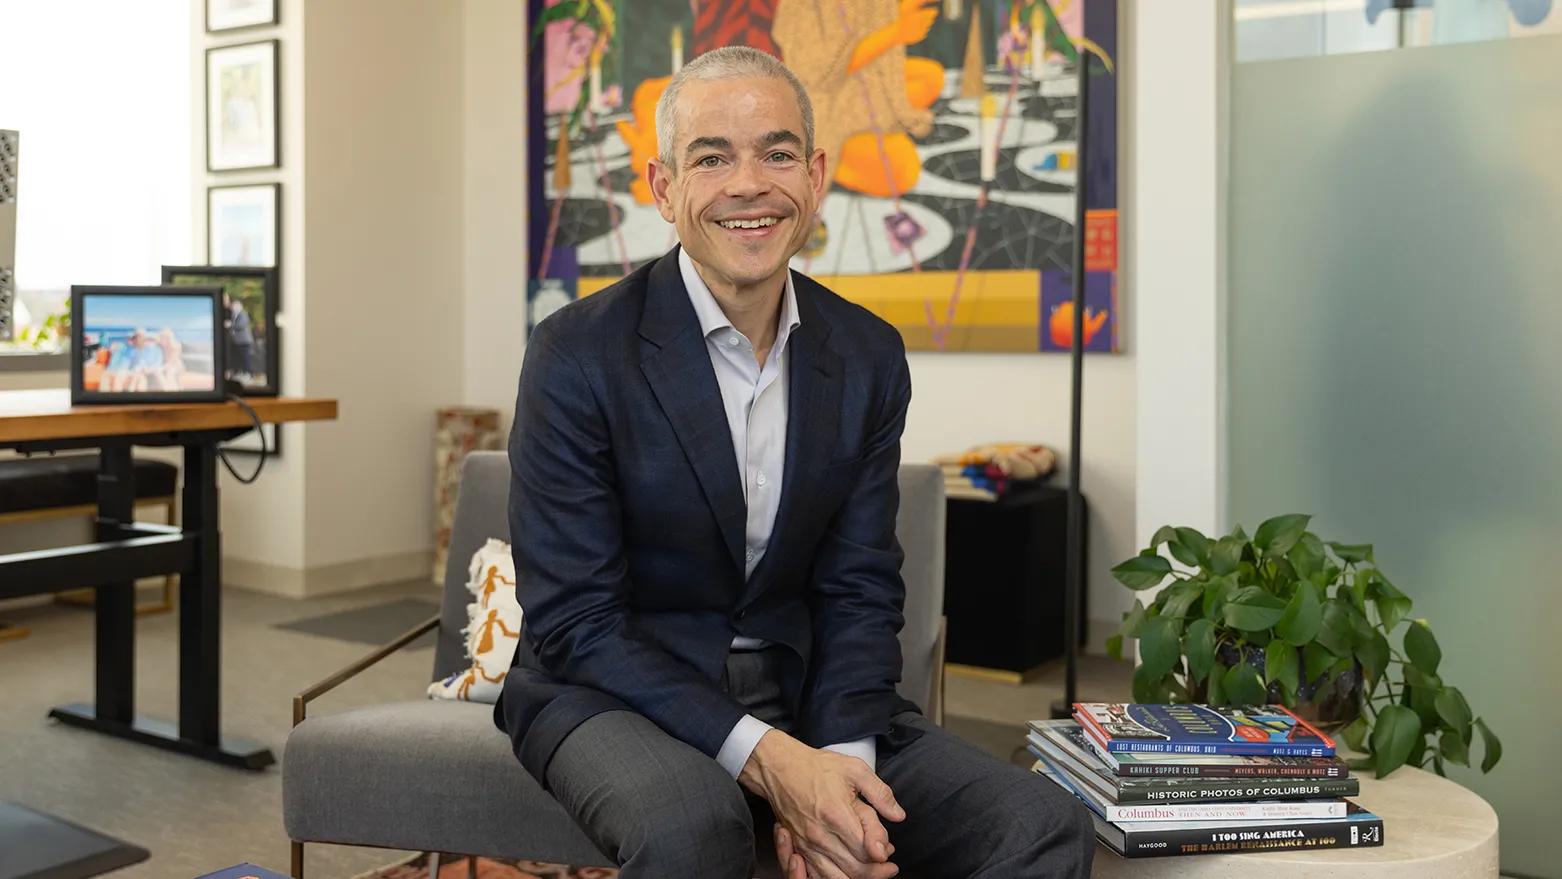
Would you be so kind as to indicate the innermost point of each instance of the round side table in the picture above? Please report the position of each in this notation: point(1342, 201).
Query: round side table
point(1432, 829)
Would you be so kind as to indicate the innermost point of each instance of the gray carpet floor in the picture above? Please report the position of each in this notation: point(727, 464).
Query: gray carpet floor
point(196, 817)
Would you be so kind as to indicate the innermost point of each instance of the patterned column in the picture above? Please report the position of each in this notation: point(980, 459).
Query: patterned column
point(459, 432)
point(8, 151)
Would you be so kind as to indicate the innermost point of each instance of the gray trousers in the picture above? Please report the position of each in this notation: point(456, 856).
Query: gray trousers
point(664, 810)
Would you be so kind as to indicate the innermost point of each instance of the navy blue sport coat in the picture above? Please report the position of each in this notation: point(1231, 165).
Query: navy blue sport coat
point(627, 523)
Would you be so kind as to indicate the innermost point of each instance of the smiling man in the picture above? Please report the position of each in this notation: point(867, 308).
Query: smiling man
point(703, 509)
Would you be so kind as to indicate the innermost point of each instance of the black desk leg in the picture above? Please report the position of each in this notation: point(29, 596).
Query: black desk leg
point(115, 604)
point(198, 733)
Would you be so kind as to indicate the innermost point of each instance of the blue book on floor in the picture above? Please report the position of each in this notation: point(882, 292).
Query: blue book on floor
point(1253, 730)
point(244, 871)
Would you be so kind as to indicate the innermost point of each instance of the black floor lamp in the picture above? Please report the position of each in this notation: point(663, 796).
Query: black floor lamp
point(1074, 583)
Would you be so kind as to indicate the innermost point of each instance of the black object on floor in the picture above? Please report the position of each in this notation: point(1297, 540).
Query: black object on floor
point(374, 625)
point(38, 846)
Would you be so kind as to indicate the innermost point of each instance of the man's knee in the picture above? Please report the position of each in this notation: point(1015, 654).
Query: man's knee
point(704, 829)
point(1059, 827)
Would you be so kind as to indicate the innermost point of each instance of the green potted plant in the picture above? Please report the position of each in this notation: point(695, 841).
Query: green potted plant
point(1286, 618)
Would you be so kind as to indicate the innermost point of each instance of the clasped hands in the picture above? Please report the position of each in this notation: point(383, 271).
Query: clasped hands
point(827, 808)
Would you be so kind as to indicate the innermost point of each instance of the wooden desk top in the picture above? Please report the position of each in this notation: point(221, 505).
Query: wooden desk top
point(48, 415)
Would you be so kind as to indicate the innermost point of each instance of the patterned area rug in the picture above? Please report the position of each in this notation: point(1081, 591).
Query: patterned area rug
point(452, 867)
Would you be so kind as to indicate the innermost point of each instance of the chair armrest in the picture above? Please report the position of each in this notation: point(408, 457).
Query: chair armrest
point(935, 706)
point(340, 677)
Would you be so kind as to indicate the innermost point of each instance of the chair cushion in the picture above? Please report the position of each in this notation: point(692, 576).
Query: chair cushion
point(492, 630)
point(48, 482)
point(422, 776)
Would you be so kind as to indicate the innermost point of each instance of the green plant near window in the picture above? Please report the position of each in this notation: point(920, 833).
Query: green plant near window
point(1285, 618)
point(55, 329)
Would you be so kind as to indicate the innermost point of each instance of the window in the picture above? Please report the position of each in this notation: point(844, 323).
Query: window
point(100, 91)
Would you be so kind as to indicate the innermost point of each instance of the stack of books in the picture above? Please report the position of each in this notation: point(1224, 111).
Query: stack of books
point(1191, 779)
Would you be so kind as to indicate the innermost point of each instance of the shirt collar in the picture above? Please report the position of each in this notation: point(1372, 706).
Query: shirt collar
point(712, 318)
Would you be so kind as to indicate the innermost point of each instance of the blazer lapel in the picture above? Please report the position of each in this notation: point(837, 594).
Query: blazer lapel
point(680, 374)
point(816, 377)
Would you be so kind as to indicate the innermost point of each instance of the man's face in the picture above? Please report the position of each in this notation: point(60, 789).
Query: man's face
point(744, 193)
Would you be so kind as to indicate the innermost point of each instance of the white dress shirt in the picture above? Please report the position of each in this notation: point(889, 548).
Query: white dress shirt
point(755, 399)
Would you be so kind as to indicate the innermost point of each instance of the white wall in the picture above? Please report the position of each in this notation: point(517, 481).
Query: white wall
point(959, 400)
point(1177, 210)
point(383, 156)
point(263, 523)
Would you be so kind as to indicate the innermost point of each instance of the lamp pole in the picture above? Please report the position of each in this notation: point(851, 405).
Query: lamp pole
point(1073, 587)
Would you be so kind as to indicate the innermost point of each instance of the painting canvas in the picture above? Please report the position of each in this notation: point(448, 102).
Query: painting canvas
point(951, 138)
point(242, 225)
point(241, 107)
point(226, 15)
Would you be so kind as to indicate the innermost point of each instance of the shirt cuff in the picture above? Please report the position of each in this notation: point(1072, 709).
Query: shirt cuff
point(866, 749)
point(740, 743)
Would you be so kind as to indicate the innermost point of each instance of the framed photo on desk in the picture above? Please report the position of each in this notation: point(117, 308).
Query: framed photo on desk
point(249, 318)
point(146, 345)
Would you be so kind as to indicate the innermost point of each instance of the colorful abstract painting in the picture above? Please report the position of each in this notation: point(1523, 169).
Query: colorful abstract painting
point(951, 140)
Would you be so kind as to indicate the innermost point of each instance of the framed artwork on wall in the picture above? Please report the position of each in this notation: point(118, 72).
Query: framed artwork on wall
point(231, 15)
point(249, 313)
point(241, 107)
point(951, 145)
point(243, 224)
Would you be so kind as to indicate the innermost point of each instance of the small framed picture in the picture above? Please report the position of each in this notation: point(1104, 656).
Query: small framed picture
point(231, 15)
point(241, 107)
point(243, 224)
point(146, 345)
point(248, 443)
point(249, 317)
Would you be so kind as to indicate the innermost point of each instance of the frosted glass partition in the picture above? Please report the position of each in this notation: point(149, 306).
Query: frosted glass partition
point(1274, 29)
point(1395, 359)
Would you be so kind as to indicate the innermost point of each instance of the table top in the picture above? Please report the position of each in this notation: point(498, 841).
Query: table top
point(27, 416)
point(1432, 828)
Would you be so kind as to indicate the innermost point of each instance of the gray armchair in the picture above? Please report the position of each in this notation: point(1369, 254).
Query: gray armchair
point(346, 777)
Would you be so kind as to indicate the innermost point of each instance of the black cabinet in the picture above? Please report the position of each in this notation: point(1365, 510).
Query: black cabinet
point(1006, 563)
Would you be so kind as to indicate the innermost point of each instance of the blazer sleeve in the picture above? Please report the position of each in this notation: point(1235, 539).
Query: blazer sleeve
point(856, 593)
point(571, 571)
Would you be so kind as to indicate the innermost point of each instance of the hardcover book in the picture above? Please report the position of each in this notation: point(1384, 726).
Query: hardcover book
point(1253, 730)
point(1062, 741)
point(1152, 839)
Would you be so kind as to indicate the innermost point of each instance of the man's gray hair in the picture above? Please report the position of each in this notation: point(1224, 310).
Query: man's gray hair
point(728, 62)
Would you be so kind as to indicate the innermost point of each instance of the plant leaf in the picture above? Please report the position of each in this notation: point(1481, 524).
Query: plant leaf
point(1194, 540)
point(1361, 630)
point(1421, 647)
point(1374, 656)
point(1182, 597)
point(1200, 649)
point(1226, 555)
point(1393, 737)
point(1251, 609)
point(1307, 556)
point(1423, 701)
point(1491, 744)
point(1276, 536)
point(1114, 647)
point(1455, 712)
point(1163, 534)
point(1215, 594)
point(1142, 571)
point(1159, 647)
point(1217, 685)
point(1182, 553)
point(1361, 764)
point(1415, 677)
point(1281, 664)
point(1243, 686)
point(1391, 611)
point(1318, 659)
point(1334, 628)
point(1358, 591)
point(1356, 733)
point(1300, 621)
point(1453, 748)
point(1350, 553)
point(1133, 621)
point(1148, 688)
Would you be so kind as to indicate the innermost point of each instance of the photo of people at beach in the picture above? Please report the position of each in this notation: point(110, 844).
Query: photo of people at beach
point(147, 344)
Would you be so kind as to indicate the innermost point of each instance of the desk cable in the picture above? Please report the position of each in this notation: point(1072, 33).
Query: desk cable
point(264, 452)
